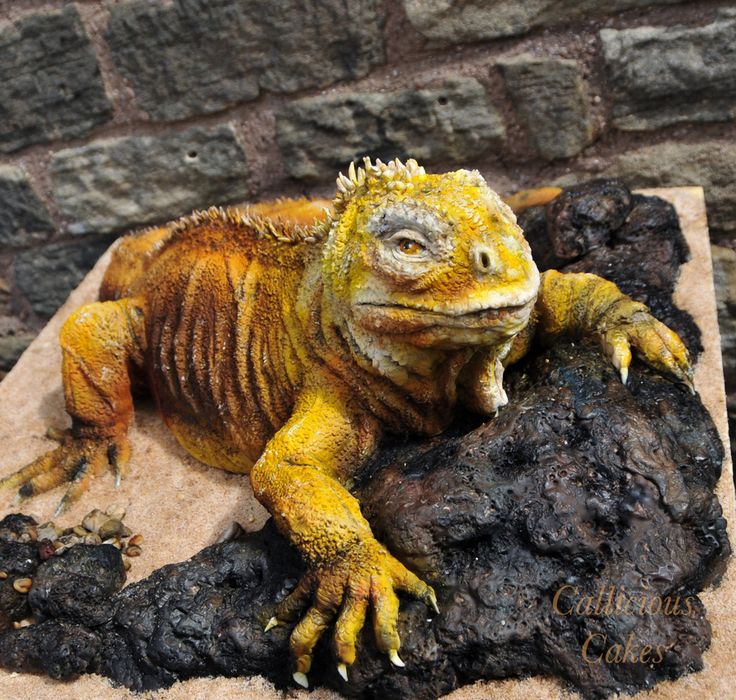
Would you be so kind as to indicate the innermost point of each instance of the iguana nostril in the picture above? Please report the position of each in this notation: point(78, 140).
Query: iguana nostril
point(482, 259)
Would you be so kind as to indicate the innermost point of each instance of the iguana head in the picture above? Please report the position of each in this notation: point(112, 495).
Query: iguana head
point(437, 260)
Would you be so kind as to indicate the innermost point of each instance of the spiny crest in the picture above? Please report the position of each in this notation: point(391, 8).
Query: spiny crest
point(260, 226)
point(393, 175)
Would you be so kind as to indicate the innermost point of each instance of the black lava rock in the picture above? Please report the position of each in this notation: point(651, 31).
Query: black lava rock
point(76, 586)
point(568, 536)
point(533, 221)
point(582, 217)
point(630, 239)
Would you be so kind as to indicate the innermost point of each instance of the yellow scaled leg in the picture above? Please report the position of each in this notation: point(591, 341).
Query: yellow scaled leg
point(300, 478)
point(369, 578)
point(100, 343)
point(581, 304)
point(657, 345)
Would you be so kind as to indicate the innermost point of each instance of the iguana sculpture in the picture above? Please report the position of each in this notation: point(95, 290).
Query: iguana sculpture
point(287, 350)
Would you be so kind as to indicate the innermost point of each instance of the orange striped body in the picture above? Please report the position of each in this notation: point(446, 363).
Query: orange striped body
point(219, 348)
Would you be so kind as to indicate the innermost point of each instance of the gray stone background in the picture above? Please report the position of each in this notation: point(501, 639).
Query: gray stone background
point(120, 113)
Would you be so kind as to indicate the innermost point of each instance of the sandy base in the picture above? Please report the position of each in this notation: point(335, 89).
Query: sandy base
point(180, 506)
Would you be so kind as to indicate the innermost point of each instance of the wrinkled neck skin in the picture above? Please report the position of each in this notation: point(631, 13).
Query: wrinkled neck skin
point(407, 384)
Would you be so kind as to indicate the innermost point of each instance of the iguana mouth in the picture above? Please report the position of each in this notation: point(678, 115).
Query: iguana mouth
point(417, 315)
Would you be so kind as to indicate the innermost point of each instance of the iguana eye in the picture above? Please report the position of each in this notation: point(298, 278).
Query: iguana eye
point(407, 243)
point(410, 246)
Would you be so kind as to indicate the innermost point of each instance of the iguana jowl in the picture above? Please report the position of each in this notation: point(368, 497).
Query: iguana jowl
point(287, 350)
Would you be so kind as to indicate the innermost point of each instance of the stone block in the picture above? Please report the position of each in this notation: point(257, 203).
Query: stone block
point(50, 84)
point(47, 274)
point(724, 277)
point(549, 96)
point(668, 75)
point(477, 20)
point(452, 122)
point(25, 220)
point(200, 56)
point(711, 164)
point(114, 184)
point(12, 347)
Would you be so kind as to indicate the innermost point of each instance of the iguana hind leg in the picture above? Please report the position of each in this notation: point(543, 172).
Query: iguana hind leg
point(100, 343)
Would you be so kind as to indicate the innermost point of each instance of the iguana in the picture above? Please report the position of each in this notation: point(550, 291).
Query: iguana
point(288, 349)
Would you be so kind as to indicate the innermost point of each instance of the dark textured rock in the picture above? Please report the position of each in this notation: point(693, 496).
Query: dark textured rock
point(17, 560)
point(584, 217)
point(451, 122)
point(12, 527)
point(25, 220)
point(512, 511)
point(120, 183)
point(198, 56)
point(476, 20)
point(550, 98)
point(724, 276)
point(50, 84)
point(635, 241)
point(15, 337)
point(76, 586)
point(46, 275)
point(708, 164)
point(12, 347)
point(63, 650)
point(667, 75)
point(582, 492)
point(533, 222)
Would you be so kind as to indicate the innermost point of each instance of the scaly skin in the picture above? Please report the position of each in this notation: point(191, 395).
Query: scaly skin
point(287, 350)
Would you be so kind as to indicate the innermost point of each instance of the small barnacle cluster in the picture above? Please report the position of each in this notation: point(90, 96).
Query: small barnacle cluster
point(36, 558)
point(97, 527)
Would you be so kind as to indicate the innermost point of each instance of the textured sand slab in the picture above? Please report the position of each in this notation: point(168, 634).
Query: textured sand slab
point(180, 506)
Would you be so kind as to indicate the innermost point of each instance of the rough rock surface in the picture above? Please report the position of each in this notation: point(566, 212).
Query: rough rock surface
point(724, 275)
point(25, 220)
point(476, 20)
point(46, 275)
point(12, 346)
point(50, 84)
point(451, 122)
point(710, 164)
point(14, 336)
point(633, 240)
point(120, 183)
point(580, 486)
point(550, 98)
point(197, 56)
point(667, 75)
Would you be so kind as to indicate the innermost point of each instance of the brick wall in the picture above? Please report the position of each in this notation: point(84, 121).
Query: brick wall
point(117, 114)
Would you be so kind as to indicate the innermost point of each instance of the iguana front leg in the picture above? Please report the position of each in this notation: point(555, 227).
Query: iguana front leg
point(100, 343)
point(299, 479)
point(578, 305)
point(581, 304)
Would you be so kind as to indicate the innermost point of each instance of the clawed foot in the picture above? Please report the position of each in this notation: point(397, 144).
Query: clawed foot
point(343, 589)
point(658, 346)
point(75, 461)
